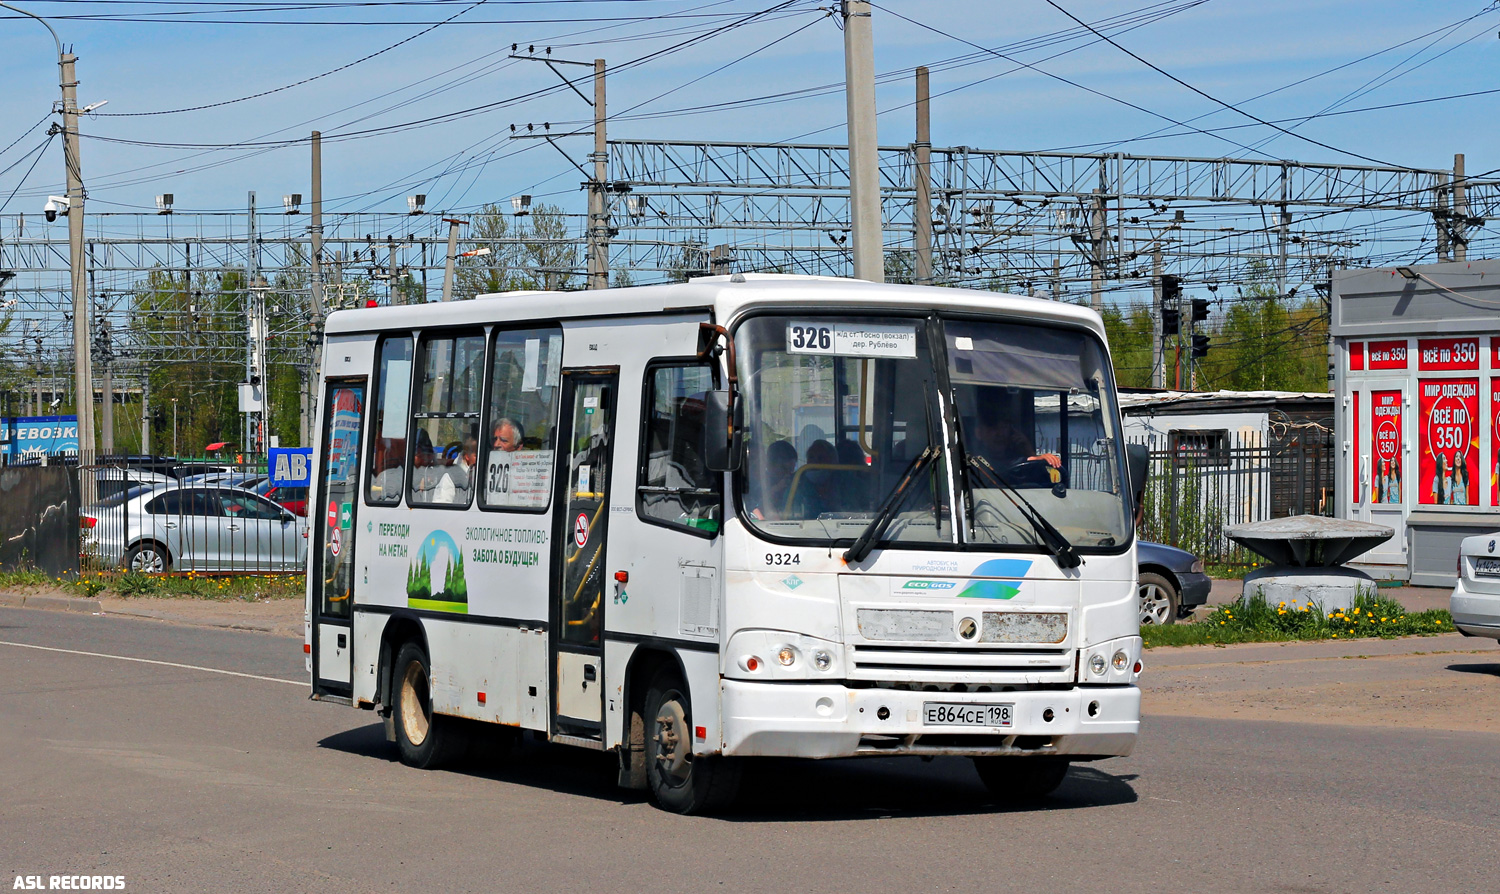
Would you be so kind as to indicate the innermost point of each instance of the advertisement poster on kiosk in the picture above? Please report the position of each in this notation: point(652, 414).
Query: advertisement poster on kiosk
point(1448, 432)
point(1385, 436)
point(1494, 462)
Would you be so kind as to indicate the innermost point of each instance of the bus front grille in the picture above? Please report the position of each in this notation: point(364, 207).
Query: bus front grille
point(939, 664)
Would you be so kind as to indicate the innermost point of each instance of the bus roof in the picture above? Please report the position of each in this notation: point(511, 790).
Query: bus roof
point(726, 296)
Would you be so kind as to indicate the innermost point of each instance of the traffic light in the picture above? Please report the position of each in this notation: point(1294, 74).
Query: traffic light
point(1200, 346)
point(1171, 289)
point(1171, 321)
point(1200, 309)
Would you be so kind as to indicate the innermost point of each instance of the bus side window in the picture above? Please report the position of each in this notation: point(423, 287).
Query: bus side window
point(674, 487)
point(388, 438)
point(515, 448)
point(445, 420)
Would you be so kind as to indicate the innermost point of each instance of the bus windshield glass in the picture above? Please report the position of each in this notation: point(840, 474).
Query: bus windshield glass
point(1037, 425)
point(839, 410)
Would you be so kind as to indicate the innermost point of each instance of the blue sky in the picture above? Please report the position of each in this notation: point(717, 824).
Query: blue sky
point(1231, 50)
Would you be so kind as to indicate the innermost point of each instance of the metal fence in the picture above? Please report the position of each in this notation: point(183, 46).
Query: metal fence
point(1204, 482)
point(192, 517)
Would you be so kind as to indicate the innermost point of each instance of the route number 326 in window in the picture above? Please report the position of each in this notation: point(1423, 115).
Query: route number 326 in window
point(805, 337)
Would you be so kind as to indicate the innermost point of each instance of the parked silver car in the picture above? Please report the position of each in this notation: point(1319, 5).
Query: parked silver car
point(194, 528)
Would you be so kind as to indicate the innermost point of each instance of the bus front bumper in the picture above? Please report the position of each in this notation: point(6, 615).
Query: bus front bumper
point(818, 721)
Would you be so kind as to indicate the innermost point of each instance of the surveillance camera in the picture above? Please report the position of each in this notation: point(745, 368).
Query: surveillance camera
point(56, 402)
point(54, 205)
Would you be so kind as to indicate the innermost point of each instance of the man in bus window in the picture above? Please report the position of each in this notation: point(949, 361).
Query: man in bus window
point(508, 435)
point(1009, 450)
point(777, 463)
point(458, 483)
point(429, 471)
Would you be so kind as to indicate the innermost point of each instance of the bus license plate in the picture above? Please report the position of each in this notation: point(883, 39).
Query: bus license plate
point(951, 714)
point(1487, 567)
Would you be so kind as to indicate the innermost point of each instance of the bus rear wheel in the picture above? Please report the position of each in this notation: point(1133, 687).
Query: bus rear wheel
point(678, 779)
point(425, 739)
point(1021, 780)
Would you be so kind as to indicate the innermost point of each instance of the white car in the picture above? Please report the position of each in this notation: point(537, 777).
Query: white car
point(1475, 603)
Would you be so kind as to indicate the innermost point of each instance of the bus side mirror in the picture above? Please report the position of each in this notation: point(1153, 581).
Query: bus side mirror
point(720, 452)
point(1138, 467)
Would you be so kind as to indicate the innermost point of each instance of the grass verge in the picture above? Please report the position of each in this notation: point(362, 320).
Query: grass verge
point(1371, 616)
point(232, 587)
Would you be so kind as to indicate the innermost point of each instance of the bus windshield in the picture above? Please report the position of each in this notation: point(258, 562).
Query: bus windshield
point(840, 411)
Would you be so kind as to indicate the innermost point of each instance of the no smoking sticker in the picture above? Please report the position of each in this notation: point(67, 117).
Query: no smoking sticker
point(581, 530)
point(335, 541)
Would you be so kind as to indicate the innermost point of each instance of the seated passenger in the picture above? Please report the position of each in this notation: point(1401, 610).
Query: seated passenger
point(770, 477)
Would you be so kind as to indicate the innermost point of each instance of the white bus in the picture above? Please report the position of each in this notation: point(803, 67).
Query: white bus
point(742, 516)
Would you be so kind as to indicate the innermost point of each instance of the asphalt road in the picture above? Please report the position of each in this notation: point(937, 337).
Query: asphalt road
point(184, 780)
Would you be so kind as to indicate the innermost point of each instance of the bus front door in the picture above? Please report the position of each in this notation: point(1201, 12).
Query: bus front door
point(332, 528)
point(585, 443)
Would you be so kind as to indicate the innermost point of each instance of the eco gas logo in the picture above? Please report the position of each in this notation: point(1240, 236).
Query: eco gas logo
point(929, 585)
point(997, 589)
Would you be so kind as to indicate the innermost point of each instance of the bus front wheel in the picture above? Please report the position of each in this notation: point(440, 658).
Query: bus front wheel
point(1019, 780)
point(425, 739)
point(678, 779)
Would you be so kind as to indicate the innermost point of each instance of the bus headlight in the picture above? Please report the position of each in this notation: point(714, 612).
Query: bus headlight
point(781, 655)
point(1112, 662)
point(1120, 660)
point(1096, 665)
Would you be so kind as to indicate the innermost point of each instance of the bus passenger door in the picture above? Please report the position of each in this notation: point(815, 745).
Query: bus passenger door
point(585, 442)
point(333, 528)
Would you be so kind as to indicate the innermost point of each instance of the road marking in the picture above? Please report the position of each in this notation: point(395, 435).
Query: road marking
point(209, 670)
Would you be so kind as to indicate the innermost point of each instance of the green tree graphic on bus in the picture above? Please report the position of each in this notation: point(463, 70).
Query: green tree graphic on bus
point(438, 558)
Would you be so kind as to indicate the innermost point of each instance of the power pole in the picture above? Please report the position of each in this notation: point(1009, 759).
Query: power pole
point(1096, 256)
point(106, 358)
point(453, 225)
point(1440, 216)
point(83, 373)
point(598, 191)
point(146, 413)
point(315, 229)
point(1158, 373)
point(922, 208)
point(864, 157)
point(598, 231)
point(1460, 211)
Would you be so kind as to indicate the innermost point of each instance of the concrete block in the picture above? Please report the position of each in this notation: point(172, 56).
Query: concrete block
point(1328, 588)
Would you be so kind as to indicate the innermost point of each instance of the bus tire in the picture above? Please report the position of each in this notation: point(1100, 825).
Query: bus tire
point(425, 739)
point(677, 779)
point(1021, 780)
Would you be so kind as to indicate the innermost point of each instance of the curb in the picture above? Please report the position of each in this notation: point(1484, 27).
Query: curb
point(55, 603)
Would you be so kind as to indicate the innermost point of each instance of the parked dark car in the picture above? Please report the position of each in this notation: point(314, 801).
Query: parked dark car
point(1172, 582)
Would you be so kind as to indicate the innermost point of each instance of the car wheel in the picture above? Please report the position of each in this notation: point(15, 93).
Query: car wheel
point(1158, 599)
point(426, 740)
point(149, 557)
point(1019, 780)
point(678, 779)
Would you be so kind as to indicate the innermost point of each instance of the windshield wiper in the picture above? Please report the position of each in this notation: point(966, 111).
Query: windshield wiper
point(1051, 537)
point(888, 507)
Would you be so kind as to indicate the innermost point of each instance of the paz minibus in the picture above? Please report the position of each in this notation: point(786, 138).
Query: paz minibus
point(743, 516)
